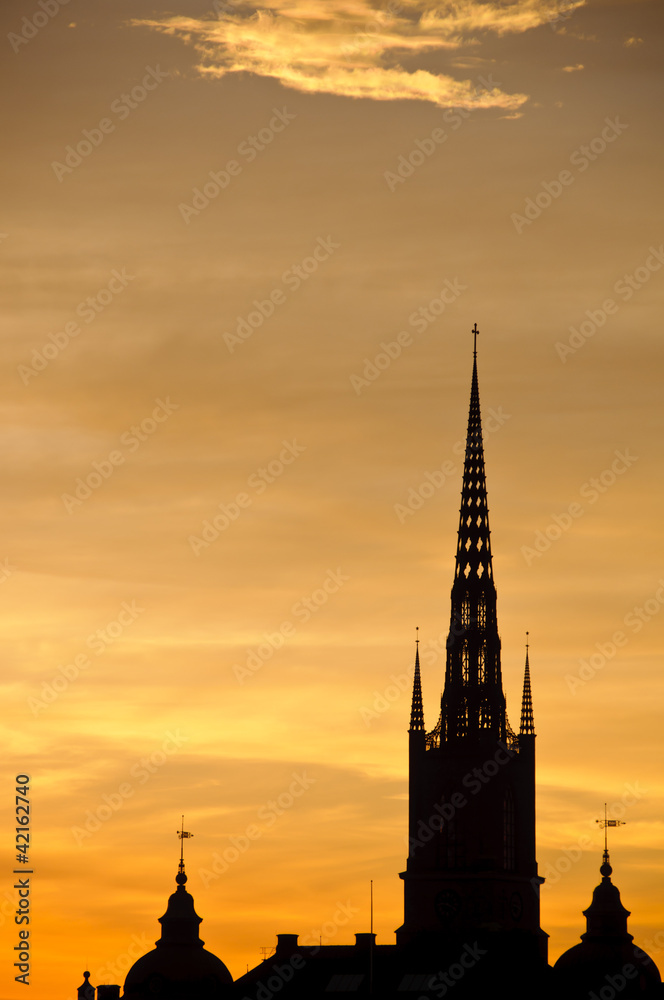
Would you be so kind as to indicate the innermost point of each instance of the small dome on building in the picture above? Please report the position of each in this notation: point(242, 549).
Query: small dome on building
point(179, 968)
point(86, 990)
point(607, 956)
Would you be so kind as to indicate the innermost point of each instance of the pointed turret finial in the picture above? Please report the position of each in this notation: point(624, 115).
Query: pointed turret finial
point(417, 707)
point(527, 727)
point(475, 332)
point(86, 990)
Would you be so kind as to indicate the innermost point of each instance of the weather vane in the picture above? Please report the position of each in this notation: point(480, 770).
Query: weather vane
point(182, 835)
point(604, 824)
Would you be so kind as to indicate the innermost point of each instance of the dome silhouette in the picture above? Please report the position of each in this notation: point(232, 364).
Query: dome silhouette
point(179, 967)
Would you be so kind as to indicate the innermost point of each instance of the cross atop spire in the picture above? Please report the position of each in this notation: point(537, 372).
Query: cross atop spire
point(527, 727)
point(475, 332)
point(417, 707)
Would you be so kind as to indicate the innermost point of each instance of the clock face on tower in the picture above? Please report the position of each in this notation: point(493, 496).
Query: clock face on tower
point(516, 906)
point(447, 904)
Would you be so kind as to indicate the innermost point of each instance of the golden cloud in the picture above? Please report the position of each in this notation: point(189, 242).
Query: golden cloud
point(350, 47)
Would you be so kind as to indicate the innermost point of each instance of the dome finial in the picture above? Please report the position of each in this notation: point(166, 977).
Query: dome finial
point(86, 990)
point(606, 869)
point(181, 877)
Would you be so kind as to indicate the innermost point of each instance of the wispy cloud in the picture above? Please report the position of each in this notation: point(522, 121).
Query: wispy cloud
point(352, 48)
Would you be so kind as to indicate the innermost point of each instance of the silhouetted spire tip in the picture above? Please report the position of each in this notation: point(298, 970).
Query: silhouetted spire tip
point(527, 727)
point(417, 706)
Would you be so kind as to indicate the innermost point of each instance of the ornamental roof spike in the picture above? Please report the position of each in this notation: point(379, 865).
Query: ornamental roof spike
point(417, 707)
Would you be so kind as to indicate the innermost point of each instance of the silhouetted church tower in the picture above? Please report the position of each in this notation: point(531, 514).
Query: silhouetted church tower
point(471, 869)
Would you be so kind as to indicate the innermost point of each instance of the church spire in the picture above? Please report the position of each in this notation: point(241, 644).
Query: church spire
point(471, 870)
point(473, 699)
point(417, 708)
point(527, 727)
point(473, 558)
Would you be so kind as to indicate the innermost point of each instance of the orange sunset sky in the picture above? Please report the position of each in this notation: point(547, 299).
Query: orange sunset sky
point(243, 250)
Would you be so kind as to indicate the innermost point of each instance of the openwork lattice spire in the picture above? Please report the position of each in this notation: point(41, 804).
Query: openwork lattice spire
point(473, 701)
point(527, 727)
point(473, 559)
point(417, 707)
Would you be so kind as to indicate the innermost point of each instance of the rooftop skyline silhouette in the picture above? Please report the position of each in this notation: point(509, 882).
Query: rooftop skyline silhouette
point(471, 884)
